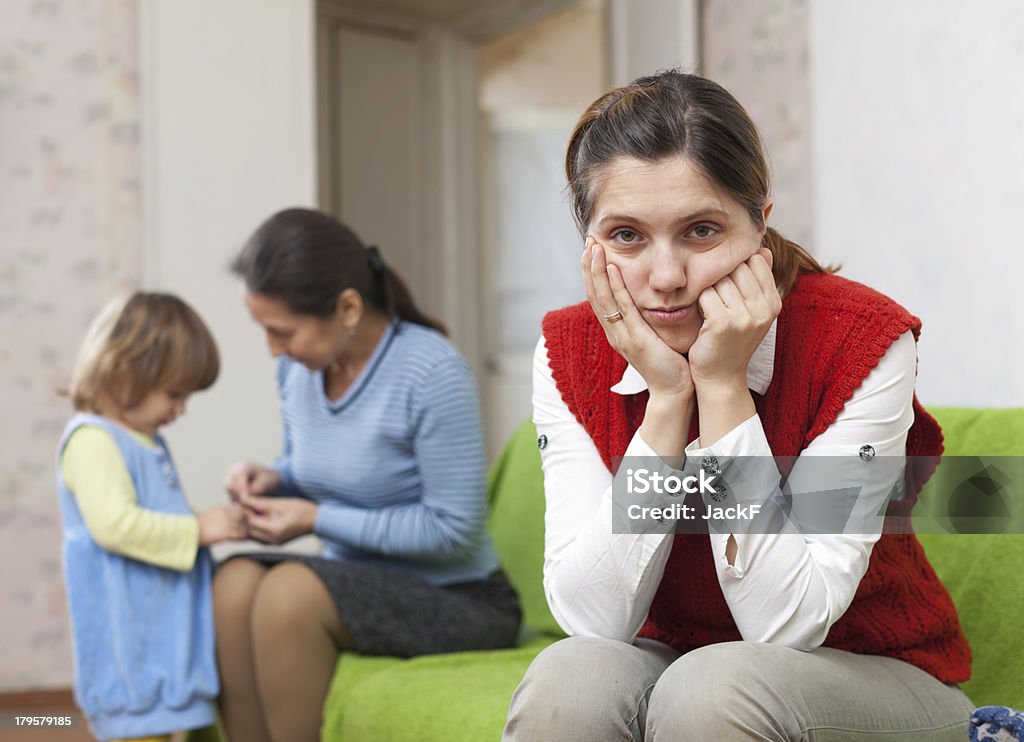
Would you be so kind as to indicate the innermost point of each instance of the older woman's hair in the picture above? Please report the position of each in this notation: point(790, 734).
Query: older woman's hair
point(140, 343)
point(306, 258)
point(674, 114)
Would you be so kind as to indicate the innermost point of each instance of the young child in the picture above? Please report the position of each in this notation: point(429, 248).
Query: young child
point(136, 566)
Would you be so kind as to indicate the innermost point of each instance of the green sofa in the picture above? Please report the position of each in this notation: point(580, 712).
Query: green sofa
point(464, 697)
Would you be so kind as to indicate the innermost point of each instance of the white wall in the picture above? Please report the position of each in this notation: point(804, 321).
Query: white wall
point(650, 35)
point(228, 138)
point(918, 138)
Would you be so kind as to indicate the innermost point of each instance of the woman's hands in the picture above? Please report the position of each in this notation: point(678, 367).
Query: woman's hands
point(275, 520)
point(670, 405)
point(738, 311)
point(249, 478)
point(272, 520)
point(666, 372)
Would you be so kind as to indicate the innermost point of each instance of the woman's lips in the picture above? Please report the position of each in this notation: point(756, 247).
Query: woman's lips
point(670, 315)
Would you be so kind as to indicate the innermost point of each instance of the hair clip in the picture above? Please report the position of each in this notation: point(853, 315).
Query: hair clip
point(376, 261)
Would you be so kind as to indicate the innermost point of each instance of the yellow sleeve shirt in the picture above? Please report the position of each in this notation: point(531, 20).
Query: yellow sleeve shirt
point(106, 497)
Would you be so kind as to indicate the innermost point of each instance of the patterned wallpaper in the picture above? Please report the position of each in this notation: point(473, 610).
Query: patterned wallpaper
point(758, 49)
point(69, 239)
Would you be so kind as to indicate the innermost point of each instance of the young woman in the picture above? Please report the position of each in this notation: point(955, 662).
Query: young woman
point(707, 335)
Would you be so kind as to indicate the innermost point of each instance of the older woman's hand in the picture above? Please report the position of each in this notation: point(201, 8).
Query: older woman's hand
point(249, 478)
point(738, 311)
point(275, 520)
point(666, 372)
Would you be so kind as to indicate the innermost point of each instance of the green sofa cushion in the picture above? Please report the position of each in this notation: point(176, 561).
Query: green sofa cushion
point(436, 698)
point(516, 487)
point(972, 431)
point(983, 571)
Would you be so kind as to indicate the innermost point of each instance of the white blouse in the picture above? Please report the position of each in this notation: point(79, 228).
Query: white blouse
point(782, 588)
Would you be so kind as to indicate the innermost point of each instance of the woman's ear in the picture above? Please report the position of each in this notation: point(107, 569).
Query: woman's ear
point(766, 210)
point(350, 308)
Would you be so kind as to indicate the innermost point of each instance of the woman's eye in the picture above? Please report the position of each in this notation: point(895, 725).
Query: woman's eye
point(625, 236)
point(703, 231)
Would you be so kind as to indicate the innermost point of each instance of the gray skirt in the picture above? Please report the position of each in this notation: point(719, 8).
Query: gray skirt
point(390, 612)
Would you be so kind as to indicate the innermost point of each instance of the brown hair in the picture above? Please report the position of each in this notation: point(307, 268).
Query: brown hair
point(140, 343)
point(307, 258)
point(671, 114)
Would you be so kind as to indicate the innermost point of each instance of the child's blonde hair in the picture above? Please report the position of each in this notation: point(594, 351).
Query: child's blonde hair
point(141, 343)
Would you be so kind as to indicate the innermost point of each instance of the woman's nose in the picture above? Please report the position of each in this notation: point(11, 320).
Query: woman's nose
point(668, 268)
point(276, 346)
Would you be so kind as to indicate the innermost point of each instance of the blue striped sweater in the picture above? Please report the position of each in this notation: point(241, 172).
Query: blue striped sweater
point(396, 464)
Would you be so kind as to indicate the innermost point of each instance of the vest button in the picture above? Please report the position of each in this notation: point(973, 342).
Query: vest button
point(542, 442)
point(867, 452)
point(718, 491)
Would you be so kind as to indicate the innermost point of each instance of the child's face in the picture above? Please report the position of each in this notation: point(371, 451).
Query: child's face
point(158, 408)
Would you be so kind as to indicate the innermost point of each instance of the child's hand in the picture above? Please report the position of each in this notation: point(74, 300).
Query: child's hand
point(248, 478)
point(224, 523)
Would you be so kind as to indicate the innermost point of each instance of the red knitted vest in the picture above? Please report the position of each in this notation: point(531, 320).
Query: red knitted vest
point(831, 333)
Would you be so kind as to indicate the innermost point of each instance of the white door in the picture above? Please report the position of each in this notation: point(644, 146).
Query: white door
point(533, 251)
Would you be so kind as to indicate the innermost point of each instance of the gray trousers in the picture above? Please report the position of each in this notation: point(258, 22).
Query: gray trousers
point(599, 690)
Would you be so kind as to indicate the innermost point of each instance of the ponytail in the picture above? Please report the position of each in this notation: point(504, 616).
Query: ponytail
point(396, 300)
point(789, 260)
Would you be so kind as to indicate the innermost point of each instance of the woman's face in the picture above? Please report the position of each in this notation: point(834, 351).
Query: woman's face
point(672, 233)
point(312, 341)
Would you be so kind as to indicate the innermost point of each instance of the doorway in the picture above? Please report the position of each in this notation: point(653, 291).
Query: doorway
point(441, 134)
point(531, 245)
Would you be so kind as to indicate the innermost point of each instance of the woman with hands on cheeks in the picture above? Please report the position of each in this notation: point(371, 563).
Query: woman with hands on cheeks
point(382, 458)
point(708, 336)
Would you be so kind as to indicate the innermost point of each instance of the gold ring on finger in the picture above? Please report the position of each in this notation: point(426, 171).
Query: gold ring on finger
point(614, 316)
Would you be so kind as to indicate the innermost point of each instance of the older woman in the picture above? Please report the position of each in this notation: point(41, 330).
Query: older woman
point(382, 459)
point(707, 336)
